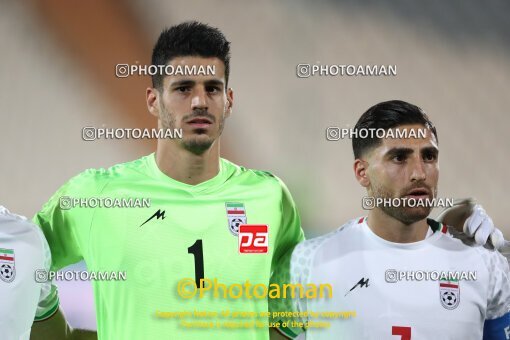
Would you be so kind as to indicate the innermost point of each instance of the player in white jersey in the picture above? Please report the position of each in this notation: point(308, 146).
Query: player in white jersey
point(372, 278)
point(23, 251)
point(395, 274)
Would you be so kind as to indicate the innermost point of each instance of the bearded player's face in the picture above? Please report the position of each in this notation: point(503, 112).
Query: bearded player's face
point(405, 168)
point(197, 104)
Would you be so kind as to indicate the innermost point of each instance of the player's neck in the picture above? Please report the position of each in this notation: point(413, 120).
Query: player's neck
point(391, 229)
point(185, 166)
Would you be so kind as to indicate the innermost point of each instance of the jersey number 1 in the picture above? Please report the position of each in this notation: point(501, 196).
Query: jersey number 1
point(197, 251)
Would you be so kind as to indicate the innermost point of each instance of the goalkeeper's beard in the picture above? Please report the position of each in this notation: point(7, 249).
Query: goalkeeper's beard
point(406, 215)
point(196, 144)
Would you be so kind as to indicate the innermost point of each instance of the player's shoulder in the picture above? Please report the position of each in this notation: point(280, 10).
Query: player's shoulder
point(96, 179)
point(492, 259)
point(311, 248)
point(239, 170)
point(459, 243)
point(14, 222)
point(131, 167)
point(261, 177)
point(18, 228)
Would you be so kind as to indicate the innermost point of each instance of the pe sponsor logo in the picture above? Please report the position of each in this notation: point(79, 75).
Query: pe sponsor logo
point(253, 238)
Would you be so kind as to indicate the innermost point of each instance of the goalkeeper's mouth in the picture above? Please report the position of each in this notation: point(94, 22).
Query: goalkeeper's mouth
point(200, 122)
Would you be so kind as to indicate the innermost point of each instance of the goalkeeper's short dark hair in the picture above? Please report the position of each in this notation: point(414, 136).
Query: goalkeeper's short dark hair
point(190, 38)
point(387, 115)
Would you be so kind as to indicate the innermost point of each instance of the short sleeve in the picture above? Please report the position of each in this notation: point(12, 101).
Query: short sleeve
point(497, 321)
point(290, 233)
point(284, 309)
point(65, 227)
point(499, 287)
point(48, 298)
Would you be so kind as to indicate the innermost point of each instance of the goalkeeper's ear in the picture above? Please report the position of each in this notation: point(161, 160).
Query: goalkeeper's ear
point(457, 215)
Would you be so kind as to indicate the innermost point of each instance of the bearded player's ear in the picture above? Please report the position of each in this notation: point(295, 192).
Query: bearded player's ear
point(152, 99)
point(360, 171)
point(230, 101)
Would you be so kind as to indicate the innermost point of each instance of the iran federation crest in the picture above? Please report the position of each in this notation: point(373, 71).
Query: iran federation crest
point(7, 269)
point(236, 216)
point(449, 293)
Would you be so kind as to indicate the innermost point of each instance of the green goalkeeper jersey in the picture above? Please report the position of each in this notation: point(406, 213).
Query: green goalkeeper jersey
point(185, 231)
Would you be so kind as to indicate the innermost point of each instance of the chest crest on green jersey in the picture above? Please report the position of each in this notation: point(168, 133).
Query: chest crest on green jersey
point(236, 215)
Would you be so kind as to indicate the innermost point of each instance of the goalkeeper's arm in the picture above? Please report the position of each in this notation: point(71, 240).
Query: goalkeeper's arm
point(56, 327)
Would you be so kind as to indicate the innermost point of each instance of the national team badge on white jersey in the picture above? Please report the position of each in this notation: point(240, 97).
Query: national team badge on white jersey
point(449, 293)
point(236, 215)
point(7, 269)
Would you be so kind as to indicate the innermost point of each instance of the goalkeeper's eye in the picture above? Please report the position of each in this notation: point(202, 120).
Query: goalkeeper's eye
point(182, 89)
point(430, 155)
point(399, 158)
point(212, 89)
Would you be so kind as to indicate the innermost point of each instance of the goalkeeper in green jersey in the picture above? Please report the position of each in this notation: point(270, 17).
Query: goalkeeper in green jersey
point(208, 219)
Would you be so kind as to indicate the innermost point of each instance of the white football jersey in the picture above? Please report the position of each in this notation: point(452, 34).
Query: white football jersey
point(437, 288)
point(23, 251)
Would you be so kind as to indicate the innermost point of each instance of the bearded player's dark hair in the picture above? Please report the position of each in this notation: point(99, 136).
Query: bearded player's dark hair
point(387, 115)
